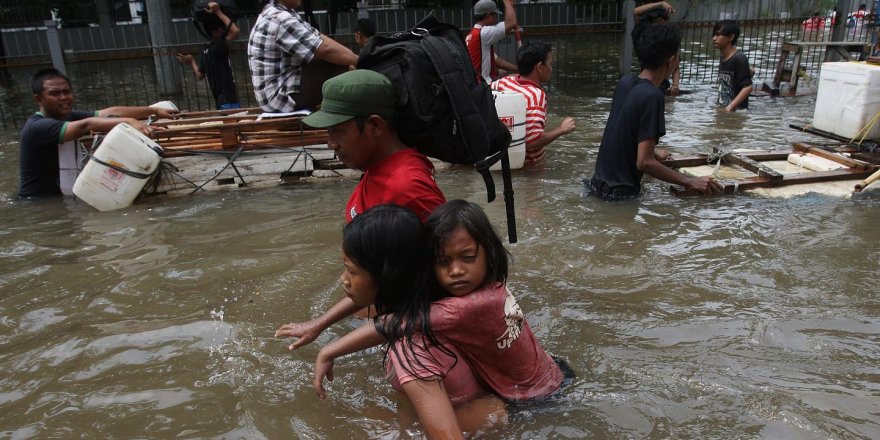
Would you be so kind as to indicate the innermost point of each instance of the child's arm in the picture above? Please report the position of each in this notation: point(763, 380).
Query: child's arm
point(431, 402)
point(232, 30)
point(639, 10)
point(647, 163)
point(308, 331)
point(189, 60)
point(740, 97)
point(504, 64)
point(361, 338)
point(510, 23)
point(675, 87)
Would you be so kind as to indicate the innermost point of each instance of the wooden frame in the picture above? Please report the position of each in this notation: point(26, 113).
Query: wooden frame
point(767, 177)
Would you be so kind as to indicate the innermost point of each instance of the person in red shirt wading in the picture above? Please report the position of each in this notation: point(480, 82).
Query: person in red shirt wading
point(358, 110)
point(486, 32)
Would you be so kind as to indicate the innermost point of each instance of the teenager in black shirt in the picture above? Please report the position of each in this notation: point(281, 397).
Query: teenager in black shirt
point(637, 122)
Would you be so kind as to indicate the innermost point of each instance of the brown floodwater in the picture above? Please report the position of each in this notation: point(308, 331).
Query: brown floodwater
point(726, 317)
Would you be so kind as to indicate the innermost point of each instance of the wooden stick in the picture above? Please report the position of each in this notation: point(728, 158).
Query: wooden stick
point(730, 186)
point(869, 180)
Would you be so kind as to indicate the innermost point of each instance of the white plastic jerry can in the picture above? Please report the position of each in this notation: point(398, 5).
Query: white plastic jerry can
point(511, 109)
point(119, 169)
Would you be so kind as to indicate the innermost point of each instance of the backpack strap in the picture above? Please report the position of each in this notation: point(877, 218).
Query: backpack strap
point(457, 84)
point(473, 131)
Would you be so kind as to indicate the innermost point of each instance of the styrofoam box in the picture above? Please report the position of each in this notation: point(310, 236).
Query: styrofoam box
point(849, 97)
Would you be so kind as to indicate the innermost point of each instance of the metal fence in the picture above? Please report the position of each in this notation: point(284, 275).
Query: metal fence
point(115, 65)
point(764, 28)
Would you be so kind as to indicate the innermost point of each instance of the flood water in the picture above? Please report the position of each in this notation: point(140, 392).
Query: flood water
point(725, 317)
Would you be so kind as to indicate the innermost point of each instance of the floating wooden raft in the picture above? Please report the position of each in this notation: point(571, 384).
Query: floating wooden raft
point(763, 176)
point(233, 132)
point(233, 148)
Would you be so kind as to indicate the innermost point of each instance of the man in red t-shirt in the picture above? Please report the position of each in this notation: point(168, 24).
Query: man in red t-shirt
point(487, 31)
point(358, 110)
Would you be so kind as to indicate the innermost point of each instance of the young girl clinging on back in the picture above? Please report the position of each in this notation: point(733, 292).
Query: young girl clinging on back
point(481, 319)
point(387, 265)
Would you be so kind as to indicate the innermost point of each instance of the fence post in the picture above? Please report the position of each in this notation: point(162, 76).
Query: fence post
point(838, 31)
point(103, 9)
point(159, 21)
point(626, 48)
point(55, 45)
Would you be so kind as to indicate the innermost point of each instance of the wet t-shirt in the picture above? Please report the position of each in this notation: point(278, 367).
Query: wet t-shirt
point(38, 158)
point(733, 76)
point(404, 178)
point(488, 328)
point(214, 63)
point(636, 115)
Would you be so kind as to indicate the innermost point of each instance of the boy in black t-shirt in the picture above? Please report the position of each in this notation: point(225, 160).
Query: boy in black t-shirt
point(734, 73)
point(214, 60)
point(636, 123)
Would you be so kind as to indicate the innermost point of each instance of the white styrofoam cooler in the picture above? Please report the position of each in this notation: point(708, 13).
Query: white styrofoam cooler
point(849, 97)
point(107, 187)
point(511, 108)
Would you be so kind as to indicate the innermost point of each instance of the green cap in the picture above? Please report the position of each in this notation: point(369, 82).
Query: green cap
point(353, 93)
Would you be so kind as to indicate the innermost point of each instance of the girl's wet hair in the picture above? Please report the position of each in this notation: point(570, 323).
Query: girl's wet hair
point(388, 241)
point(385, 241)
point(460, 213)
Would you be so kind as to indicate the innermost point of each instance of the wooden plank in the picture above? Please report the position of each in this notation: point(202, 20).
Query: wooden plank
point(751, 165)
point(873, 158)
point(208, 113)
point(762, 156)
point(834, 157)
point(825, 176)
point(195, 121)
point(695, 160)
point(291, 124)
point(732, 186)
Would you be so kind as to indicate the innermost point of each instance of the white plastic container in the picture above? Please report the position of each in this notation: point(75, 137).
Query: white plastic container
point(511, 108)
point(813, 162)
point(849, 97)
point(167, 105)
point(107, 188)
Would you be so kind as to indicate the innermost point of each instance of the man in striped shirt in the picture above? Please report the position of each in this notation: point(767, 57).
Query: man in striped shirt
point(534, 61)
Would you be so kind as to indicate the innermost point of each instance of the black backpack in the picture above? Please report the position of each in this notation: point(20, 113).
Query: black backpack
point(442, 110)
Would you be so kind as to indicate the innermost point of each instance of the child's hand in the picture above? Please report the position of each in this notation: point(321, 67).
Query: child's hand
point(305, 331)
point(323, 368)
point(164, 113)
point(567, 126)
point(184, 58)
point(705, 185)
